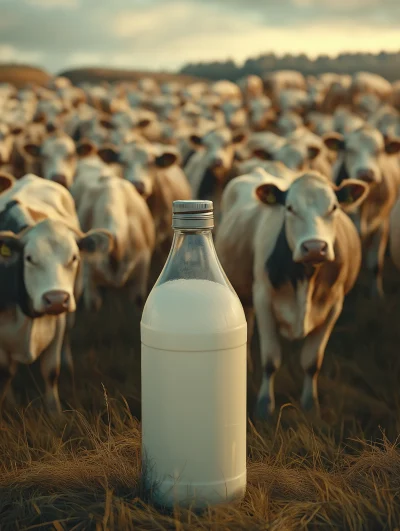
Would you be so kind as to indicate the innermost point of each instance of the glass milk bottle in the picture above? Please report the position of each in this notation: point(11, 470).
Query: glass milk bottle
point(193, 334)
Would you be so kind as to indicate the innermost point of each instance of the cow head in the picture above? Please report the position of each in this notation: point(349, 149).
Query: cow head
point(45, 257)
point(58, 158)
point(219, 148)
point(361, 153)
point(140, 163)
point(311, 206)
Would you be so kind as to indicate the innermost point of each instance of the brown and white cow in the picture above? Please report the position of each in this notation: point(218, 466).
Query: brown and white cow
point(111, 203)
point(209, 166)
point(291, 254)
point(154, 170)
point(364, 154)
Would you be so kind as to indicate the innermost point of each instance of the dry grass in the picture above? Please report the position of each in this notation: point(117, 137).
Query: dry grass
point(21, 75)
point(97, 75)
point(341, 471)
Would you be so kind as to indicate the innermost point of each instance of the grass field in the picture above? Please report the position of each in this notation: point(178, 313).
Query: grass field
point(341, 471)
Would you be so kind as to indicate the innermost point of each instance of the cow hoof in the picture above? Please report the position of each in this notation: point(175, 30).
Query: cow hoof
point(264, 409)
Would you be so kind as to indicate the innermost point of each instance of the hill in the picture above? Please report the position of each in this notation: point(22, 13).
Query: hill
point(79, 75)
point(21, 75)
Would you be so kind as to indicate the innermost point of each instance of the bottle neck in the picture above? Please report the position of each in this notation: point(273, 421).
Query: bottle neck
point(193, 256)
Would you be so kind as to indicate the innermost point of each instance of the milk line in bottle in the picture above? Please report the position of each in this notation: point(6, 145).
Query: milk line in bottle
point(194, 335)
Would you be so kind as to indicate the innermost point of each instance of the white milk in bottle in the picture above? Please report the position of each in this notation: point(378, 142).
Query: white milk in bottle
point(194, 334)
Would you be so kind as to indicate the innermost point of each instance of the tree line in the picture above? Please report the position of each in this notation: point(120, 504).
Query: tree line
point(384, 63)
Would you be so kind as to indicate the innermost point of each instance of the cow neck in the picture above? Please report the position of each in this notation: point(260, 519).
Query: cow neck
point(208, 185)
point(281, 267)
point(342, 174)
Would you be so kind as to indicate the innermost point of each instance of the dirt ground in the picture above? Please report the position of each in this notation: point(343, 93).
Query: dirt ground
point(340, 471)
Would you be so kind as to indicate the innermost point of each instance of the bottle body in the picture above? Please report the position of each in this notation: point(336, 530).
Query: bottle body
point(194, 336)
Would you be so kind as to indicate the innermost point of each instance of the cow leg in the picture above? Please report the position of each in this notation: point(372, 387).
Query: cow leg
point(138, 284)
point(66, 352)
point(312, 355)
point(50, 361)
point(7, 372)
point(375, 258)
point(271, 352)
point(91, 293)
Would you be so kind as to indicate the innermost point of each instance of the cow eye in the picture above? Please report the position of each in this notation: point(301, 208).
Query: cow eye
point(73, 259)
point(334, 207)
point(289, 208)
point(29, 259)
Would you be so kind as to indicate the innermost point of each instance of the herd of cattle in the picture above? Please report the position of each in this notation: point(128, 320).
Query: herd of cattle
point(304, 174)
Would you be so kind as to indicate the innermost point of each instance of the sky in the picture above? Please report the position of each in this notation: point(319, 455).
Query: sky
point(166, 34)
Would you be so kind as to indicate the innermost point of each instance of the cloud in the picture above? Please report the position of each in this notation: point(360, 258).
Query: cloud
point(166, 33)
point(51, 4)
point(10, 54)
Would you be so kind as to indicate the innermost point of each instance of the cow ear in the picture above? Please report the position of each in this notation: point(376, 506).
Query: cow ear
point(96, 242)
point(144, 123)
point(239, 137)
point(36, 215)
point(166, 160)
point(196, 140)
point(392, 146)
point(85, 149)
point(109, 154)
point(351, 193)
point(32, 150)
point(270, 194)
point(334, 141)
point(10, 247)
point(262, 154)
point(6, 181)
point(16, 130)
point(107, 124)
point(39, 118)
point(313, 152)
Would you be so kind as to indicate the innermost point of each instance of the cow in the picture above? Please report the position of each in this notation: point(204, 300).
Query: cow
point(288, 122)
point(276, 168)
point(260, 113)
point(369, 83)
point(292, 254)
point(41, 247)
point(226, 90)
point(275, 82)
point(296, 152)
point(155, 172)
point(207, 169)
point(57, 156)
point(364, 154)
point(251, 86)
point(108, 202)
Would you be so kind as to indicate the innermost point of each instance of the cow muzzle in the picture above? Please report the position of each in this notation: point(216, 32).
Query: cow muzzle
point(56, 302)
point(314, 251)
point(217, 164)
point(366, 175)
point(140, 187)
point(60, 179)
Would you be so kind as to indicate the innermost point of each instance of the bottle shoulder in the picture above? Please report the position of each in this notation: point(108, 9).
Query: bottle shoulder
point(193, 306)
